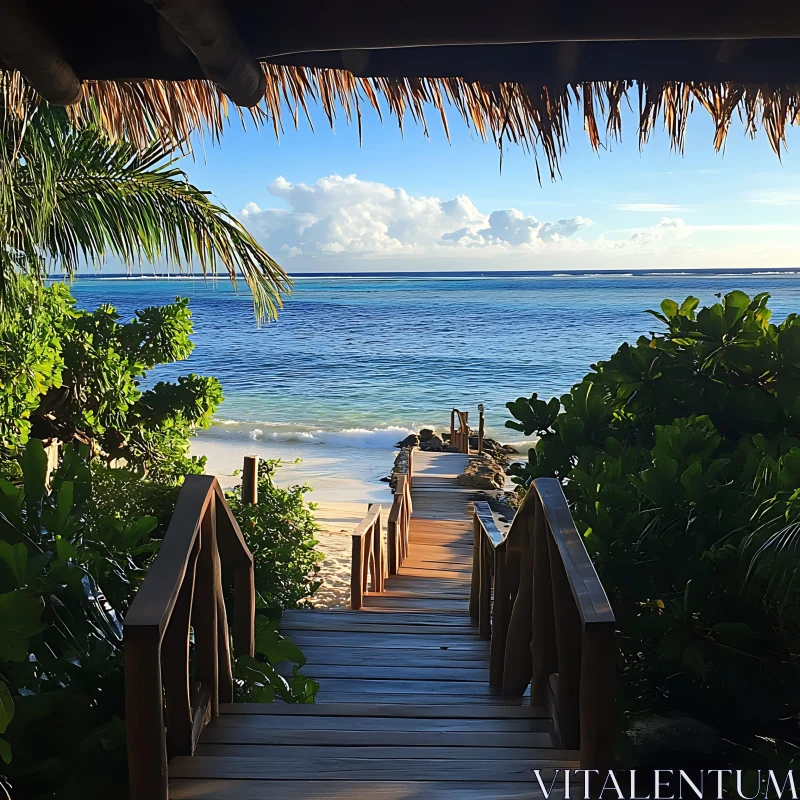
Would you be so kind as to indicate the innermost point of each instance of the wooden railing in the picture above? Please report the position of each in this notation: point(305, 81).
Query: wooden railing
point(400, 518)
point(369, 567)
point(166, 706)
point(537, 596)
point(459, 438)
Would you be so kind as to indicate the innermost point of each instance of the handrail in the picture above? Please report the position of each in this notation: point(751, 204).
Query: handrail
point(551, 624)
point(182, 592)
point(369, 559)
point(459, 438)
point(399, 524)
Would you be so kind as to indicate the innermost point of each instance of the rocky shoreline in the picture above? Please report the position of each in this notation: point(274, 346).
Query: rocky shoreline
point(486, 471)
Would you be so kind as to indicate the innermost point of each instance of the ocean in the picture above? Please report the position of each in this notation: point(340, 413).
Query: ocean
point(356, 362)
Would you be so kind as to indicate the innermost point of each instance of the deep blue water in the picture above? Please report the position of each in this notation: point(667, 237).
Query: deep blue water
point(367, 353)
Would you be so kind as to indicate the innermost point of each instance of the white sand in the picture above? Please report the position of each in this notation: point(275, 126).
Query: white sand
point(341, 496)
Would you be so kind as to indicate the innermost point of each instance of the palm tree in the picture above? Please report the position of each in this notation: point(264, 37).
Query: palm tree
point(70, 196)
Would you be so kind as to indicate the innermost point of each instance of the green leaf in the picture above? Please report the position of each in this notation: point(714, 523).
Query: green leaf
point(63, 505)
point(670, 308)
point(6, 707)
point(14, 560)
point(34, 471)
point(734, 634)
point(5, 750)
point(20, 619)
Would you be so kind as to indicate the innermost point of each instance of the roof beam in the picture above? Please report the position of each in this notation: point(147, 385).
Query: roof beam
point(26, 47)
point(205, 27)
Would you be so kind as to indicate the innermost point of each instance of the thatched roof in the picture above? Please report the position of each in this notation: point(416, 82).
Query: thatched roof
point(513, 71)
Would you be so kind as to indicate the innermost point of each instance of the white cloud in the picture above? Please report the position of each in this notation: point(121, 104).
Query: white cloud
point(670, 227)
point(662, 208)
point(775, 197)
point(349, 216)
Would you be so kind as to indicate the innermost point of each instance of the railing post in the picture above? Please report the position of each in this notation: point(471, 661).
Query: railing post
point(250, 480)
point(144, 715)
point(544, 655)
point(568, 647)
point(475, 585)
point(598, 668)
point(501, 614)
point(204, 613)
point(175, 649)
point(485, 596)
point(480, 427)
point(356, 577)
point(453, 441)
point(517, 666)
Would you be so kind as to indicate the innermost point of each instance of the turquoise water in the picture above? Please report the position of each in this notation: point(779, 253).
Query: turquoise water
point(355, 362)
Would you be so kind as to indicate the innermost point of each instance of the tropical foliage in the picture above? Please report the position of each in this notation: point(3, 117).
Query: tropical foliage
point(680, 456)
point(71, 374)
point(280, 532)
point(69, 196)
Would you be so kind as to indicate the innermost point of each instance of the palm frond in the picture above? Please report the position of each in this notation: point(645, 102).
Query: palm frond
point(71, 196)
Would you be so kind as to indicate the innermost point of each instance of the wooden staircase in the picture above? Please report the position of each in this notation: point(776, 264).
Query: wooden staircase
point(404, 708)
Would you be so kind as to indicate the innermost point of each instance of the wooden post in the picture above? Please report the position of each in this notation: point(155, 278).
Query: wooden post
point(204, 613)
point(144, 715)
point(244, 611)
point(598, 667)
point(250, 480)
point(568, 648)
point(485, 596)
point(501, 613)
point(356, 591)
point(480, 427)
point(453, 441)
point(475, 585)
point(175, 667)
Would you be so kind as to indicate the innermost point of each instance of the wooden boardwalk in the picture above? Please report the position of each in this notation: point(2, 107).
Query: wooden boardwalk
point(404, 709)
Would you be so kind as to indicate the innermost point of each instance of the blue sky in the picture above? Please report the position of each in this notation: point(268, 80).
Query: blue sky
point(321, 201)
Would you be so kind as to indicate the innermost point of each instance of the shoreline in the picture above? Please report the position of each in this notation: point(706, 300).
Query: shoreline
point(344, 481)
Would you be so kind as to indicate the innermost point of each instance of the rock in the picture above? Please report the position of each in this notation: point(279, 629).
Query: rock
point(683, 741)
point(483, 472)
point(509, 450)
point(451, 448)
point(433, 444)
point(412, 440)
point(386, 479)
point(425, 434)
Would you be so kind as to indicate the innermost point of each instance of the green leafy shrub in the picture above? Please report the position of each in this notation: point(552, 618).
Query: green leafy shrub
point(67, 574)
point(75, 375)
point(71, 560)
point(280, 531)
point(680, 457)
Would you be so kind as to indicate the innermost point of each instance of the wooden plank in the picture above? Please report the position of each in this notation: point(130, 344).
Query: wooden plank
point(336, 769)
point(194, 789)
point(421, 604)
point(393, 738)
point(395, 657)
point(356, 697)
point(387, 640)
point(410, 710)
point(379, 627)
point(408, 672)
point(260, 726)
point(400, 686)
point(420, 572)
point(359, 618)
point(449, 753)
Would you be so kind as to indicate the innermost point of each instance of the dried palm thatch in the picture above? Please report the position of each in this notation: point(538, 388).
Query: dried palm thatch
point(534, 117)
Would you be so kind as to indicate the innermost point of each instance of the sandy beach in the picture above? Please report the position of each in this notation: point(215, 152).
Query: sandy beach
point(341, 500)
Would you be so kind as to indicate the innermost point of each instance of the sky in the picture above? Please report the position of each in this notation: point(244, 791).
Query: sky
point(321, 201)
